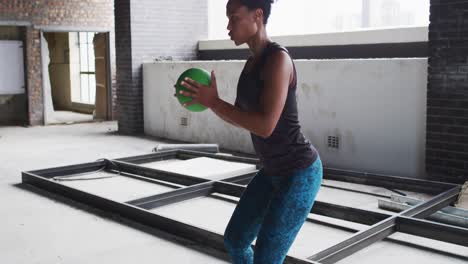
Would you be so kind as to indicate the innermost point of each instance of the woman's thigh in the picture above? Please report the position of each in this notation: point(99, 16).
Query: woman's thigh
point(289, 208)
point(248, 215)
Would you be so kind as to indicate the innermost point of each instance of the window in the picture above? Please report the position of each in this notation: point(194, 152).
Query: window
point(298, 17)
point(87, 69)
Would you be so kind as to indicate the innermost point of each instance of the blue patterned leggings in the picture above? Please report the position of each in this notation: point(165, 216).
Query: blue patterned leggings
point(273, 209)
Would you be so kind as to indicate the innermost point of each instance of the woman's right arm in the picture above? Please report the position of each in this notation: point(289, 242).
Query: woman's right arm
point(223, 117)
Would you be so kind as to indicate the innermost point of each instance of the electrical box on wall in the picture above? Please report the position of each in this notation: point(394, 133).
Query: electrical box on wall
point(11, 67)
point(333, 142)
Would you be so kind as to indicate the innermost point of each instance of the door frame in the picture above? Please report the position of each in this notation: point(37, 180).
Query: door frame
point(107, 31)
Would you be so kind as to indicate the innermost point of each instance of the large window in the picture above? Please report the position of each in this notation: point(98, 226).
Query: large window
point(297, 17)
point(87, 69)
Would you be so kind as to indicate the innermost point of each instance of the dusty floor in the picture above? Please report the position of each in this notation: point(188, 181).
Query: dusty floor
point(38, 227)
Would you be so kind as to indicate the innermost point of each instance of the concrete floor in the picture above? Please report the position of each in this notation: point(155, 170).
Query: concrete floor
point(38, 227)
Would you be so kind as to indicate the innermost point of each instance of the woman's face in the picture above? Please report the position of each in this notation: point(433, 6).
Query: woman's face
point(242, 22)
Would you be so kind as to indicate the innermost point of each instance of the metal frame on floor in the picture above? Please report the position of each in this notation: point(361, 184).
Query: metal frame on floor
point(380, 225)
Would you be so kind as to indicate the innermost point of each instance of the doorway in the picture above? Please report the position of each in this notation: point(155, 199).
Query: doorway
point(75, 77)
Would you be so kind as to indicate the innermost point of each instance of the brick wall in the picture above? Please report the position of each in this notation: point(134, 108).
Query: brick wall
point(447, 104)
point(147, 30)
point(123, 49)
point(90, 14)
point(34, 77)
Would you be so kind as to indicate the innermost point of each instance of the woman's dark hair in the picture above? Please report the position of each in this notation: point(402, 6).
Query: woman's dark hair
point(265, 5)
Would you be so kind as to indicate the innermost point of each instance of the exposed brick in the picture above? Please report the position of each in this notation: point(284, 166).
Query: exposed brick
point(447, 113)
point(148, 30)
point(70, 13)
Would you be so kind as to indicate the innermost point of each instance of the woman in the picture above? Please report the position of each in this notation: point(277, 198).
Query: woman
point(277, 201)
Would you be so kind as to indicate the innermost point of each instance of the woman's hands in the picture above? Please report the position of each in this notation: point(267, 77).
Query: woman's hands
point(278, 74)
point(202, 94)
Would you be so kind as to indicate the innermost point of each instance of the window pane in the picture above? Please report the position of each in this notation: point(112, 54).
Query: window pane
point(87, 81)
point(92, 88)
point(84, 88)
point(83, 58)
point(91, 61)
point(83, 37)
point(294, 17)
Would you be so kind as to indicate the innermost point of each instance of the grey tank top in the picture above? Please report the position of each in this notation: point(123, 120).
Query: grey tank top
point(286, 150)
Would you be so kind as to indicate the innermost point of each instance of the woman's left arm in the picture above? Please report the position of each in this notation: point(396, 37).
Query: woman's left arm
point(277, 75)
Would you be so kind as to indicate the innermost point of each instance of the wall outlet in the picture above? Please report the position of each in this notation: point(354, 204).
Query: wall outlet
point(184, 121)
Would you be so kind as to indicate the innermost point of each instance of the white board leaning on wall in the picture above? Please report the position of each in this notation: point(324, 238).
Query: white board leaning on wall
point(11, 67)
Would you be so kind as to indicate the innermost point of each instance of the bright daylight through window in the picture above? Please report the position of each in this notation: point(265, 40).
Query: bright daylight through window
point(299, 17)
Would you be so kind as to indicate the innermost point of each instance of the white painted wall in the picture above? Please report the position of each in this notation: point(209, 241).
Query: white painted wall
point(376, 106)
point(47, 89)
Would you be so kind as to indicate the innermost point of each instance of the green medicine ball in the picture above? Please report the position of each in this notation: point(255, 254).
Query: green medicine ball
point(199, 75)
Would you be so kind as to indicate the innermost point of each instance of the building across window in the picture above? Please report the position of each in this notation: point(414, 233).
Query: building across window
point(300, 17)
point(87, 68)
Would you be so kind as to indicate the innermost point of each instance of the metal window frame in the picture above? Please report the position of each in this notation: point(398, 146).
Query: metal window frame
point(87, 43)
point(380, 225)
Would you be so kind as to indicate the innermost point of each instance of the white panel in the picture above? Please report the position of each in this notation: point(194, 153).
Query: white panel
point(11, 67)
point(204, 167)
